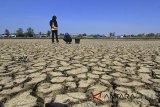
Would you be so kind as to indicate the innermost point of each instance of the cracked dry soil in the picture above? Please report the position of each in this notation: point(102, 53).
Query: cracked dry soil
point(34, 72)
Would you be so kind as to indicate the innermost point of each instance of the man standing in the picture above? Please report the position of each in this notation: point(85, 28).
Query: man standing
point(54, 28)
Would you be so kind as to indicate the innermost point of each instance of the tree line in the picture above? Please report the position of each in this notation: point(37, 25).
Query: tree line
point(20, 33)
point(30, 33)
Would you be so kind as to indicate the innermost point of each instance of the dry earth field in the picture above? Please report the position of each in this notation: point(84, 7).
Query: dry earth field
point(35, 71)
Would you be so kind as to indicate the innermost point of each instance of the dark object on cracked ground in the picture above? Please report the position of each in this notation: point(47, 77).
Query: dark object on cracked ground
point(55, 105)
point(77, 41)
point(67, 38)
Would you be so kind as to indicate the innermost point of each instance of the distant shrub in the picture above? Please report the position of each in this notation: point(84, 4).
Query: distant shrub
point(19, 33)
point(30, 32)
